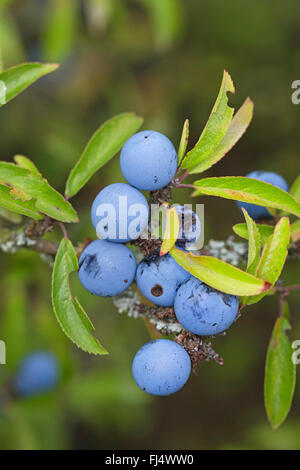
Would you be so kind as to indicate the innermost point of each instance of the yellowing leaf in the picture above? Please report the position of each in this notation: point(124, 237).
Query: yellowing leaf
point(275, 252)
point(236, 129)
point(249, 190)
point(273, 256)
point(19, 194)
point(18, 206)
point(183, 142)
point(216, 127)
point(220, 275)
point(171, 231)
point(254, 243)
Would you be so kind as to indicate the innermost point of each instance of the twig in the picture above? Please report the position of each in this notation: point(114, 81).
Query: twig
point(181, 178)
point(284, 292)
point(28, 236)
point(63, 229)
point(287, 289)
point(185, 186)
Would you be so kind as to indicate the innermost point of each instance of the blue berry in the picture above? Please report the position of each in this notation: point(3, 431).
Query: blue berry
point(260, 212)
point(161, 367)
point(203, 310)
point(158, 278)
point(190, 227)
point(106, 269)
point(38, 373)
point(148, 160)
point(120, 213)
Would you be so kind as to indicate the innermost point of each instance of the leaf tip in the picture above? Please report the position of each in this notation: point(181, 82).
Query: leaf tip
point(249, 102)
point(230, 81)
point(52, 66)
point(274, 425)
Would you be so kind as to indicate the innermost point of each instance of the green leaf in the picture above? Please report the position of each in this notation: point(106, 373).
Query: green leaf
point(20, 207)
point(59, 30)
point(19, 194)
point(275, 252)
point(249, 190)
point(236, 129)
point(18, 78)
point(183, 141)
point(171, 231)
point(3, 91)
point(264, 231)
point(24, 162)
point(220, 275)
point(33, 187)
point(295, 189)
point(273, 256)
point(280, 374)
point(103, 145)
point(215, 129)
point(254, 244)
point(295, 230)
point(69, 313)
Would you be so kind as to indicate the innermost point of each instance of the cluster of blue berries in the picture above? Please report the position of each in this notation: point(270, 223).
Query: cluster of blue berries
point(148, 162)
point(108, 267)
point(162, 367)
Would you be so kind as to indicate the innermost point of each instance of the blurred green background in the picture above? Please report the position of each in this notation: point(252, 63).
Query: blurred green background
point(163, 59)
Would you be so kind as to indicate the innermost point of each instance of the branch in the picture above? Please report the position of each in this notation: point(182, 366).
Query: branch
point(28, 236)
